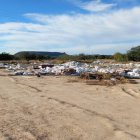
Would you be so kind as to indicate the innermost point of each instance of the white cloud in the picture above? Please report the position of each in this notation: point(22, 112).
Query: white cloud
point(124, 1)
point(77, 33)
point(94, 5)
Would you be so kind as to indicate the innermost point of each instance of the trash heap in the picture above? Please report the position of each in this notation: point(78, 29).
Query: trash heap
point(69, 68)
point(3, 65)
point(19, 70)
point(76, 68)
point(73, 68)
point(133, 73)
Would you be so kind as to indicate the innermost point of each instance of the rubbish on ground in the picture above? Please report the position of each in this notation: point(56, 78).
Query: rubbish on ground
point(97, 70)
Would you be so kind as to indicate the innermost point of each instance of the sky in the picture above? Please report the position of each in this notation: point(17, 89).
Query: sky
point(71, 26)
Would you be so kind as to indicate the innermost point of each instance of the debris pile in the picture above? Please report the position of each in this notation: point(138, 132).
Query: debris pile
point(3, 65)
point(129, 70)
point(134, 73)
point(103, 79)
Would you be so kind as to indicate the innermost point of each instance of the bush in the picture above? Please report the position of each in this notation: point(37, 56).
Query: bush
point(134, 54)
point(120, 57)
point(6, 56)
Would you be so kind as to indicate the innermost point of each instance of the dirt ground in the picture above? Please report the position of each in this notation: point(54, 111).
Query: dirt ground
point(51, 108)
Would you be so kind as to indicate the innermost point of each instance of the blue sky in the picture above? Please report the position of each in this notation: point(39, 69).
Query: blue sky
point(71, 26)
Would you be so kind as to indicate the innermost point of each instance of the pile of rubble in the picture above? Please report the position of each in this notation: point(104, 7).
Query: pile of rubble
point(104, 79)
point(3, 65)
point(130, 70)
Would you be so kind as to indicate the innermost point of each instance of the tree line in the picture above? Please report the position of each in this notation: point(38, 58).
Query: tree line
point(24, 56)
point(132, 55)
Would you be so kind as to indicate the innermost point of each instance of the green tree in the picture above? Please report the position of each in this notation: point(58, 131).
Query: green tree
point(6, 56)
point(134, 54)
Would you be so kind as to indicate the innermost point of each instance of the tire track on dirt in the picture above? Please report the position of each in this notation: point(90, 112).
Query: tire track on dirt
point(29, 86)
point(25, 85)
point(130, 92)
point(114, 122)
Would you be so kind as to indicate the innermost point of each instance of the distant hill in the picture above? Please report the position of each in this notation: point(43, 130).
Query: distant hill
point(51, 54)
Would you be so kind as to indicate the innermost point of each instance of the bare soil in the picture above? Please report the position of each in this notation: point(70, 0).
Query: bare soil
point(60, 108)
